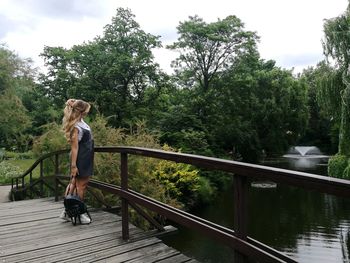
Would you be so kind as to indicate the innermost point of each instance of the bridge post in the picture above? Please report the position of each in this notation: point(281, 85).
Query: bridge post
point(241, 211)
point(56, 173)
point(124, 186)
point(41, 179)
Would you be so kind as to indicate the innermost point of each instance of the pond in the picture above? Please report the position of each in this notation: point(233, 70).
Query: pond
point(308, 226)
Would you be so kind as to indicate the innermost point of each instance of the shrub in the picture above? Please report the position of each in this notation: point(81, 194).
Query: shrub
point(184, 182)
point(180, 181)
point(8, 155)
point(205, 191)
point(8, 171)
point(337, 165)
point(169, 182)
point(52, 140)
point(346, 173)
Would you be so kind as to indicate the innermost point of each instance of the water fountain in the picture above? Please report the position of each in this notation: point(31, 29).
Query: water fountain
point(305, 157)
point(301, 158)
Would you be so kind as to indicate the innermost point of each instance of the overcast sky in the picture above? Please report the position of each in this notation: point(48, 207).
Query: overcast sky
point(290, 30)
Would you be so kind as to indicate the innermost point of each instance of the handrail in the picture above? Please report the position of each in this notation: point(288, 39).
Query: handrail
point(330, 185)
point(324, 184)
point(241, 172)
point(41, 158)
point(35, 164)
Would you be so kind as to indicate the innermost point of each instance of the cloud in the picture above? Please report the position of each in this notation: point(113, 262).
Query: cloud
point(301, 59)
point(62, 9)
point(290, 31)
point(7, 25)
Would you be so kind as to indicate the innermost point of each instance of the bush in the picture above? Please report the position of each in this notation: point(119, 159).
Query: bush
point(184, 182)
point(189, 141)
point(169, 182)
point(8, 171)
point(337, 166)
point(18, 156)
point(52, 140)
point(180, 181)
point(346, 173)
point(206, 191)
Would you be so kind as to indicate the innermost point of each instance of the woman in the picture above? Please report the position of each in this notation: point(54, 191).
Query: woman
point(79, 135)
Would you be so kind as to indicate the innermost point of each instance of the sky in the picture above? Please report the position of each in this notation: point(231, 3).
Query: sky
point(290, 31)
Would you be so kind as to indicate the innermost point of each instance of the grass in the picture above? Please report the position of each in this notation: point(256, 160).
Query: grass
point(24, 165)
point(20, 167)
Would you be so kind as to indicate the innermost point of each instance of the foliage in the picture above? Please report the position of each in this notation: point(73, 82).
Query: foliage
point(41, 110)
point(206, 49)
point(180, 127)
point(346, 172)
point(324, 119)
point(16, 73)
point(142, 171)
point(335, 43)
point(113, 71)
point(181, 181)
point(8, 171)
point(329, 86)
point(257, 107)
point(16, 78)
point(52, 140)
point(236, 103)
point(189, 141)
point(205, 192)
point(278, 109)
point(13, 119)
point(335, 46)
point(337, 165)
point(8, 155)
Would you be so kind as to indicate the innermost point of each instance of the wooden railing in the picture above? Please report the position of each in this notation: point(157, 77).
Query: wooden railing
point(19, 184)
point(236, 238)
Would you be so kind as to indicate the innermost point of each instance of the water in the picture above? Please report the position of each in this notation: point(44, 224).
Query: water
point(306, 225)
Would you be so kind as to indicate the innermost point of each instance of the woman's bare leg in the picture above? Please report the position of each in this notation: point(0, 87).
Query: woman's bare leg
point(82, 183)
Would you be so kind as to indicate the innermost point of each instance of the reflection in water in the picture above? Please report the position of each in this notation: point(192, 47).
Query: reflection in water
point(304, 163)
point(308, 226)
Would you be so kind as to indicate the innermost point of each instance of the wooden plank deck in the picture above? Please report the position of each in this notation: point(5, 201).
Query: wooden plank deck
point(30, 231)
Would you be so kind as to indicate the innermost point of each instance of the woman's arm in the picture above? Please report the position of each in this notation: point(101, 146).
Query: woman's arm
point(74, 152)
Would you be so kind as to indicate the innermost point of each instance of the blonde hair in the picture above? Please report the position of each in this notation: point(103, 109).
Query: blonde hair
point(73, 112)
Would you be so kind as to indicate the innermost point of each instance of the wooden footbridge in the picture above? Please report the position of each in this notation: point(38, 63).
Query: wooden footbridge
point(30, 231)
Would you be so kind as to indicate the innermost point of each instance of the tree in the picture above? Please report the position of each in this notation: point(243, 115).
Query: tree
point(336, 46)
point(113, 70)
point(15, 79)
point(13, 120)
point(206, 49)
point(259, 107)
point(323, 124)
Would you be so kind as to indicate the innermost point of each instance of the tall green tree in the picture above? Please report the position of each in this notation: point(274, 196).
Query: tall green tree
point(113, 71)
point(259, 108)
point(15, 79)
point(324, 119)
point(207, 49)
point(336, 46)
